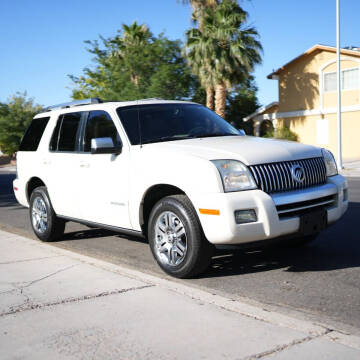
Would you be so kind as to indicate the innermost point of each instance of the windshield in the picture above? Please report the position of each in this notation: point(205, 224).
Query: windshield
point(168, 122)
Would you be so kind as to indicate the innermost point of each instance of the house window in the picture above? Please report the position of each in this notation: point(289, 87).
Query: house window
point(350, 80)
point(330, 81)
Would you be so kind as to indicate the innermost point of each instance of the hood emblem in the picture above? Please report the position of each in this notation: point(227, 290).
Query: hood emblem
point(298, 173)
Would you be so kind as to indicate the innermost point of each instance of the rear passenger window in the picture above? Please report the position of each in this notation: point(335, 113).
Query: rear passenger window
point(66, 133)
point(33, 134)
point(99, 125)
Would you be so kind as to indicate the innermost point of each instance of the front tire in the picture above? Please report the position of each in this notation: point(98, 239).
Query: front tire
point(45, 224)
point(176, 238)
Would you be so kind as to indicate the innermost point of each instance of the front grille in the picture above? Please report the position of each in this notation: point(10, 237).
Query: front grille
point(277, 176)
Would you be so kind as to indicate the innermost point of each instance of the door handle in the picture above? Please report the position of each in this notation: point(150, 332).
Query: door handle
point(84, 164)
point(46, 162)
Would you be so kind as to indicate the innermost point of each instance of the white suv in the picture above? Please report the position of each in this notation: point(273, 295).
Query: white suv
point(176, 173)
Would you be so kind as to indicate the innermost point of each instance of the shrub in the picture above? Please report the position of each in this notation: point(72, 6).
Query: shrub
point(15, 116)
point(283, 133)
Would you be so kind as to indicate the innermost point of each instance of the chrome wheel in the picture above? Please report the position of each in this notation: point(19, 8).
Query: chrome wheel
point(39, 215)
point(170, 239)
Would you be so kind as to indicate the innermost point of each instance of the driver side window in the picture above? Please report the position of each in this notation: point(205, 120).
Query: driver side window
point(99, 125)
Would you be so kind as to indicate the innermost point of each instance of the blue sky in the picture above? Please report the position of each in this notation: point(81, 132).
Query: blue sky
point(41, 42)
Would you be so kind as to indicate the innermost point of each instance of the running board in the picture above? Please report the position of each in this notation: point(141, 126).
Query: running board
point(103, 226)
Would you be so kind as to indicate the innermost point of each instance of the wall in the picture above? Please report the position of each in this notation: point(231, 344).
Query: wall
point(348, 97)
point(299, 89)
point(307, 128)
point(299, 83)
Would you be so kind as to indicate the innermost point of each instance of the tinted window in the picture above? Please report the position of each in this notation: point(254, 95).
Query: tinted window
point(99, 125)
point(66, 132)
point(33, 134)
point(165, 122)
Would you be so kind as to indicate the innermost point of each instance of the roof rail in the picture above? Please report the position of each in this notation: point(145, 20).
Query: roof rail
point(149, 99)
point(74, 103)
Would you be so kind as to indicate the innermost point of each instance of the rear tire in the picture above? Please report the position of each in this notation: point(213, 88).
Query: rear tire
point(176, 238)
point(46, 225)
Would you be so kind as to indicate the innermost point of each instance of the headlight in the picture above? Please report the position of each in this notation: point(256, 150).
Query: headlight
point(331, 168)
point(235, 175)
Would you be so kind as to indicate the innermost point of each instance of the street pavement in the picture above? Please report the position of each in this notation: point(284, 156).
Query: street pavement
point(319, 282)
point(351, 168)
point(56, 304)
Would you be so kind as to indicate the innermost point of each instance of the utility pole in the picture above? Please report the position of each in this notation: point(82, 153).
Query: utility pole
point(339, 138)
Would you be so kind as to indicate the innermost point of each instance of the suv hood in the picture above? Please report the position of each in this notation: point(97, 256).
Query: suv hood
point(248, 149)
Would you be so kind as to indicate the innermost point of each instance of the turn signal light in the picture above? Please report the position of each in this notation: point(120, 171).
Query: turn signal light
point(209, 212)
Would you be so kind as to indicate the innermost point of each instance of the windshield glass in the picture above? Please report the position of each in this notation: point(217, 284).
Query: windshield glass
point(168, 122)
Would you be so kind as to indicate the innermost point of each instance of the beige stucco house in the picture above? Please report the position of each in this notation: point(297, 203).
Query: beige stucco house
point(308, 98)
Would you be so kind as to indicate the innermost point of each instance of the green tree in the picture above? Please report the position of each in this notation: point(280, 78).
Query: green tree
point(15, 116)
point(134, 64)
point(170, 76)
point(241, 102)
point(228, 49)
point(131, 46)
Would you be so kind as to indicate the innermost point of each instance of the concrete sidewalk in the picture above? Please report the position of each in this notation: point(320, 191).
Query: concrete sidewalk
point(55, 304)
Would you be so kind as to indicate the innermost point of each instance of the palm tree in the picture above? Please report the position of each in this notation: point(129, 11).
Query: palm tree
point(194, 52)
point(199, 7)
point(128, 46)
point(227, 48)
point(194, 57)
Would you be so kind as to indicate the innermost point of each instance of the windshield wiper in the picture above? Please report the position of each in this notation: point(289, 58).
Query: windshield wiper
point(184, 137)
point(214, 135)
point(168, 138)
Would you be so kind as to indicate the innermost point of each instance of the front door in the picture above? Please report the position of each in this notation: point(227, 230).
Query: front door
point(104, 177)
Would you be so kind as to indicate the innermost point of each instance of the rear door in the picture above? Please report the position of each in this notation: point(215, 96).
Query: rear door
point(62, 162)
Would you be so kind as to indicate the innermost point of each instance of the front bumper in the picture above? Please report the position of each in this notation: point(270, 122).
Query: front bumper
point(222, 229)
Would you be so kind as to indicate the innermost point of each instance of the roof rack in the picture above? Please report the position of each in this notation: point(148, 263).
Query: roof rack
point(74, 103)
point(149, 99)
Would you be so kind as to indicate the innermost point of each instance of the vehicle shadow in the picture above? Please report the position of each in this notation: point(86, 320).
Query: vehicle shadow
point(7, 197)
point(98, 233)
point(336, 248)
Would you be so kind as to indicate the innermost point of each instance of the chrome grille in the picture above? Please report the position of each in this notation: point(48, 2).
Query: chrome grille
point(277, 177)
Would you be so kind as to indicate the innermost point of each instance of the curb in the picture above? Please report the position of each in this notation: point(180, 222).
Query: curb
point(255, 312)
point(7, 167)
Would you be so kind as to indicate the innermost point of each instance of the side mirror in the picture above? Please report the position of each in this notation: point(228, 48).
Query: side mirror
point(104, 145)
point(242, 132)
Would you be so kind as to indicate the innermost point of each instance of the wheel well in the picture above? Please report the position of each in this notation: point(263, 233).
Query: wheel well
point(152, 196)
point(32, 184)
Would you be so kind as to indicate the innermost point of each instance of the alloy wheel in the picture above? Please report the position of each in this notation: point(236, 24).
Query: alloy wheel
point(170, 239)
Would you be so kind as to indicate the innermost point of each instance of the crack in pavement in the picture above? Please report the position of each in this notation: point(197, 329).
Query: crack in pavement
point(287, 346)
point(49, 275)
point(28, 306)
point(33, 259)
point(29, 283)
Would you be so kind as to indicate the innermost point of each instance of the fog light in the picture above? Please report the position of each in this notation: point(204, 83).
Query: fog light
point(345, 195)
point(245, 216)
